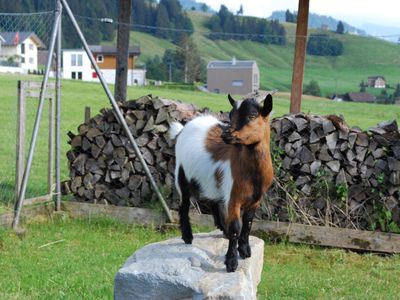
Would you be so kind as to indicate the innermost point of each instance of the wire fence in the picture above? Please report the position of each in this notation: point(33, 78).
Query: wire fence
point(31, 30)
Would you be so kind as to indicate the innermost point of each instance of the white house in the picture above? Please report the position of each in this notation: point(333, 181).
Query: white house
point(76, 65)
point(20, 50)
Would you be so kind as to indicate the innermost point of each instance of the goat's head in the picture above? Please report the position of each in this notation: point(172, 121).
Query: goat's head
point(249, 121)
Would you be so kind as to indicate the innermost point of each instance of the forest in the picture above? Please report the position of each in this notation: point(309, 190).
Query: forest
point(146, 15)
point(225, 25)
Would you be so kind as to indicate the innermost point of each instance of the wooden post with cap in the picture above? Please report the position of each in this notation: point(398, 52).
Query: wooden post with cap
point(299, 56)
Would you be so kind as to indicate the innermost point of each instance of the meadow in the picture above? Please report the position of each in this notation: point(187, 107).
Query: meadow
point(76, 95)
point(91, 251)
point(362, 57)
point(82, 263)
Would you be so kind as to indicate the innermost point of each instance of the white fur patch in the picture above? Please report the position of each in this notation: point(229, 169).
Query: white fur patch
point(198, 163)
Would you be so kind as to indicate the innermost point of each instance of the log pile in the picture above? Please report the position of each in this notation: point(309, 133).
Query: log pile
point(343, 176)
point(103, 165)
point(326, 173)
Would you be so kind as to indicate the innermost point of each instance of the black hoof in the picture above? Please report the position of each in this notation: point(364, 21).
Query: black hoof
point(231, 264)
point(244, 251)
point(187, 239)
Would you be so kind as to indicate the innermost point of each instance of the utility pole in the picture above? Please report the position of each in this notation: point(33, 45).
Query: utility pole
point(121, 72)
point(299, 56)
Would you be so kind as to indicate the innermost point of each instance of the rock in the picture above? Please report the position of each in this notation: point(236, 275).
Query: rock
point(174, 270)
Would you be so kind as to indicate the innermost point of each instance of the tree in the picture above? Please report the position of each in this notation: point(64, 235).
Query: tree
point(362, 86)
point(290, 17)
point(188, 59)
point(121, 71)
point(312, 88)
point(340, 28)
point(324, 45)
point(396, 93)
point(204, 7)
point(240, 11)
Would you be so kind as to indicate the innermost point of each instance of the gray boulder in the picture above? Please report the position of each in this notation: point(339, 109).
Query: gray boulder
point(174, 270)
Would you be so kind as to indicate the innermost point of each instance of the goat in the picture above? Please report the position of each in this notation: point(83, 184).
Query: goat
point(229, 165)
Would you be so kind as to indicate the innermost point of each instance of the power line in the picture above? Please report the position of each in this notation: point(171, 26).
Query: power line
point(142, 26)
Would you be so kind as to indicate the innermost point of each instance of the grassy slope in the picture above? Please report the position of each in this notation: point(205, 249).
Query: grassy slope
point(362, 57)
point(83, 265)
point(77, 95)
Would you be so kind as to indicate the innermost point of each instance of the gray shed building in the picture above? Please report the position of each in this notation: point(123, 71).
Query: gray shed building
point(238, 77)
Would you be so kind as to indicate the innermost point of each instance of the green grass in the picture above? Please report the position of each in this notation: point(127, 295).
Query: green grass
point(362, 57)
point(76, 95)
point(82, 265)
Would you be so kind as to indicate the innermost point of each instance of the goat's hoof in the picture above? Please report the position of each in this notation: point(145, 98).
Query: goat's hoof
point(231, 264)
point(187, 239)
point(244, 251)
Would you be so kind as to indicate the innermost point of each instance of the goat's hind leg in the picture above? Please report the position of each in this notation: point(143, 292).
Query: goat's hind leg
point(247, 220)
point(184, 220)
point(219, 214)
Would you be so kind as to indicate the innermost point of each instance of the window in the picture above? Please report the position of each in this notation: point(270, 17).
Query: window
point(76, 60)
point(73, 60)
point(22, 60)
point(22, 48)
point(30, 46)
point(79, 63)
point(100, 58)
point(80, 75)
point(237, 83)
point(94, 75)
point(31, 60)
point(73, 75)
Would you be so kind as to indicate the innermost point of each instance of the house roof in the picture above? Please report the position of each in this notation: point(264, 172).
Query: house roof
point(12, 38)
point(361, 97)
point(107, 49)
point(231, 64)
point(376, 77)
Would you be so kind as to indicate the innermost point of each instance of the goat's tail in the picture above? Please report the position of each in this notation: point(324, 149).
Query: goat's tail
point(174, 130)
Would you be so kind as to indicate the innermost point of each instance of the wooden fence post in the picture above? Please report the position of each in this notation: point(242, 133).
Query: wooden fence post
point(299, 56)
point(87, 114)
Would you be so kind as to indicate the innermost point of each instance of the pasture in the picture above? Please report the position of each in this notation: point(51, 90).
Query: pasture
point(88, 253)
point(83, 262)
point(76, 95)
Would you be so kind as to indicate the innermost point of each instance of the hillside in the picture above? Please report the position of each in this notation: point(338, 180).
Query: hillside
point(363, 57)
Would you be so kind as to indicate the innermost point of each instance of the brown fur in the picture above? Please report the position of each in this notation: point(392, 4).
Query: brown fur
point(247, 160)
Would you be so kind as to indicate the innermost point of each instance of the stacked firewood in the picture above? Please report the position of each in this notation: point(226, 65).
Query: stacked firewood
point(103, 164)
point(361, 169)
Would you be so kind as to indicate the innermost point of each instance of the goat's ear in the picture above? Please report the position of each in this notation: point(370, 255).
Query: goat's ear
point(231, 100)
point(267, 106)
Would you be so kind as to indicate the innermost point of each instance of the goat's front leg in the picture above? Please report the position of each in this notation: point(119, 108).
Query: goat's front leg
point(247, 220)
point(233, 226)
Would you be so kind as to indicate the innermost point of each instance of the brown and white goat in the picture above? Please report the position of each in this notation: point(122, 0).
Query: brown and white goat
point(228, 165)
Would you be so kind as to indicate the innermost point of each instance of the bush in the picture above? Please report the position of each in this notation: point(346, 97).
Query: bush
point(312, 88)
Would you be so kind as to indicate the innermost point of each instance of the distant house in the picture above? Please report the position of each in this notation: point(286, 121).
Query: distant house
point(76, 64)
point(377, 82)
point(20, 50)
point(360, 97)
point(236, 76)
